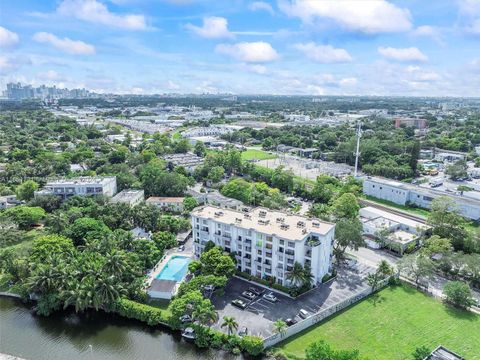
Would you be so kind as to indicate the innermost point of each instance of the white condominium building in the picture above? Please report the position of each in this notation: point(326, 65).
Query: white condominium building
point(266, 243)
point(83, 186)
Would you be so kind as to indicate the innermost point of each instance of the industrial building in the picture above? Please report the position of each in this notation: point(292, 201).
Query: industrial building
point(266, 243)
point(403, 194)
point(188, 161)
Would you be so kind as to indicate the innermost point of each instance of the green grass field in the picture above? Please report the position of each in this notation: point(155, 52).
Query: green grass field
point(401, 320)
point(251, 154)
point(408, 209)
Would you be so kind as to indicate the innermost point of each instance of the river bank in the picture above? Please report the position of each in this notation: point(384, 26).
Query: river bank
point(92, 335)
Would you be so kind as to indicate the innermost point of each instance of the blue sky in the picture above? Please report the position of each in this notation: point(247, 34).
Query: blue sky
point(318, 47)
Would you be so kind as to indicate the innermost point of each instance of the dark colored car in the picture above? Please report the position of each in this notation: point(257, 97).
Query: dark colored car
point(254, 290)
point(290, 321)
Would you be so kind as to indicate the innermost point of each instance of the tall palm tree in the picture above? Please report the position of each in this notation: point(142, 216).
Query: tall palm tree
point(307, 276)
point(230, 323)
point(205, 313)
point(106, 291)
point(280, 327)
point(296, 275)
point(114, 262)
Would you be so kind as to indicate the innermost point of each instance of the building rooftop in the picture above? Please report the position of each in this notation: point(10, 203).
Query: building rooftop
point(385, 218)
point(283, 225)
point(81, 180)
point(156, 199)
point(441, 353)
point(127, 195)
point(162, 285)
point(424, 190)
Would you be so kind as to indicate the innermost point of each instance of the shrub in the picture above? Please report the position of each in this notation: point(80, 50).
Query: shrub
point(146, 313)
point(252, 345)
point(459, 294)
point(203, 336)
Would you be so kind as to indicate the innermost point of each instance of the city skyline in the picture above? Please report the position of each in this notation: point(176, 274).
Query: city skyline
point(277, 47)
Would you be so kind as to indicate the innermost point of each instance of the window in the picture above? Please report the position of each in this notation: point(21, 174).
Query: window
point(259, 252)
point(282, 242)
point(291, 244)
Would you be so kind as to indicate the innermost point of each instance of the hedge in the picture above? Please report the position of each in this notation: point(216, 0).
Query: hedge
point(146, 313)
point(208, 337)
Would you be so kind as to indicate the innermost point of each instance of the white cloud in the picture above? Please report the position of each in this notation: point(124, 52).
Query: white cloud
point(261, 6)
point(6, 64)
point(469, 11)
point(170, 85)
point(351, 81)
point(411, 54)
point(366, 16)
point(325, 54)
point(255, 52)
point(75, 47)
point(417, 74)
point(213, 27)
point(255, 68)
point(8, 38)
point(429, 31)
point(96, 12)
point(50, 75)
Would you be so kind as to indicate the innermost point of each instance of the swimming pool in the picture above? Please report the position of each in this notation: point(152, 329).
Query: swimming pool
point(175, 269)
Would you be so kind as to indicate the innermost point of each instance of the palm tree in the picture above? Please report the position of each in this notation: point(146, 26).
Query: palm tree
point(115, 263)
point(307, 276)
point(205, 313)
point(230, 323)
point(280, 327)
point(106, 291)
point(384, 269)
point(296, 275)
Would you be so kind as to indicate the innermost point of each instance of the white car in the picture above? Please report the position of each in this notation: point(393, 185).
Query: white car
point(270, 297)
point(303, 313)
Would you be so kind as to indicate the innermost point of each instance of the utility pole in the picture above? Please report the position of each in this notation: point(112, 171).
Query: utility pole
point(357, 153)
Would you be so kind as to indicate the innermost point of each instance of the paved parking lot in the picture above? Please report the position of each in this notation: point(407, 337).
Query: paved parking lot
point(260, 314)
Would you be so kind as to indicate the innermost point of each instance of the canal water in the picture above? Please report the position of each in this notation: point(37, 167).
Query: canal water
point(93, 335)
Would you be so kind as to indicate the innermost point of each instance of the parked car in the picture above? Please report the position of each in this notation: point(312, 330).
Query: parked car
point(239, 303)
point(270, 297)
point(181, 248)
point(243, 331)
point(249, 295)
point(254, 290)
point(189, 334)
point(290, 322)
point(303, 313)
point(209, 287)
point(185, 318)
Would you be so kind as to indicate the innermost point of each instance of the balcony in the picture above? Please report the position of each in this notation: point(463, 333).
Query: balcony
point(313, 242)
point(308, 254)
point(290, 252)
point(248, 241)
point(205, 230)
point(227, 236)
point(268, 255)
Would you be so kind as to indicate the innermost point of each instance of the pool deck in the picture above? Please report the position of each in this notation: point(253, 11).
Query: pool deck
point(188, 252)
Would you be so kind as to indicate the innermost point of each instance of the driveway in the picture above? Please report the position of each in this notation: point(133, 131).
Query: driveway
point(260, 314)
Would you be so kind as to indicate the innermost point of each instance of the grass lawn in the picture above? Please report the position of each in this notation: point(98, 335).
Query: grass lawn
point(251, 154)
point(401, 320)
point(412, 210)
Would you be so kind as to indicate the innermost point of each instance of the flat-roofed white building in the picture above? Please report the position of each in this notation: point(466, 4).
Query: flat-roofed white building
point(404, 194)
point(402, 231)
point(83, 186)
point(174, 204)
point(131, 197)
point(266, 243)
